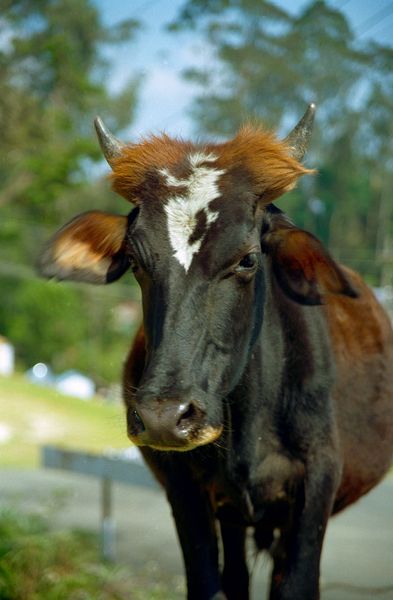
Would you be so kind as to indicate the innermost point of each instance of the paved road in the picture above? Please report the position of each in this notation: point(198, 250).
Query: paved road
point(358, 549)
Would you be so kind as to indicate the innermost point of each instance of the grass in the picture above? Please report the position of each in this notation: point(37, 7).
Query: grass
point(39, 564)
point(35, 415)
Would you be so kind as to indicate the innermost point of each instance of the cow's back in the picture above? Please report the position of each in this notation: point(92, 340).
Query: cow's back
point(362, 340)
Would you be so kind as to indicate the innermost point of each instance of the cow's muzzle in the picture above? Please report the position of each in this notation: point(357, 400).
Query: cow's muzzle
point(170, 424)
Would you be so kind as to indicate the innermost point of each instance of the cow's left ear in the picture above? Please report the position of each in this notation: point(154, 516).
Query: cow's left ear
point(304, 269)
point(89, 248)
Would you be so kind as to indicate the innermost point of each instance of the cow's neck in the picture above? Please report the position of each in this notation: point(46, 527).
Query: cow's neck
point(258, 410)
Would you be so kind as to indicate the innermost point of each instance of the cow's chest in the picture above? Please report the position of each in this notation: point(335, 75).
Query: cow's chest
point(248, 492)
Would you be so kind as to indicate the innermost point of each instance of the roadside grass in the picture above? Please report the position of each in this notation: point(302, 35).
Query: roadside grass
point(31, 416)
point(37, 561)
point(39, 564)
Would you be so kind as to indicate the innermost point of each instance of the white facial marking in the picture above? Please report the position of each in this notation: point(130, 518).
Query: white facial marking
point(181, 209)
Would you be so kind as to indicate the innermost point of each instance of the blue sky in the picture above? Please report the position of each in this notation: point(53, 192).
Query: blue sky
point(161, 57)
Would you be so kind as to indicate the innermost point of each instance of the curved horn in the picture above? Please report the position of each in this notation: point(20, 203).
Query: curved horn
point(298, 139)
point(110, 146)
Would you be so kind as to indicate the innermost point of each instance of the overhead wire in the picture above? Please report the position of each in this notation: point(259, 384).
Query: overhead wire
point(340, 4)
point(379, 16)
point(381, 32)
point(368, 24)
point(375, 19)
point(144, 7)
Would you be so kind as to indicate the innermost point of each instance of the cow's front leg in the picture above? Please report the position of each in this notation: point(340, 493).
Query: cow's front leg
point(196, 528)
point(235, 577)
point(297, 564)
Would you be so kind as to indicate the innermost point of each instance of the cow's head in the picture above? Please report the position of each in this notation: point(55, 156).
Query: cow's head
point(201, 239)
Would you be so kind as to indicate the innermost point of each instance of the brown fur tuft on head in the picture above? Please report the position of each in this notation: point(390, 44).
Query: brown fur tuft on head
point(137, 160)
point(266, 160)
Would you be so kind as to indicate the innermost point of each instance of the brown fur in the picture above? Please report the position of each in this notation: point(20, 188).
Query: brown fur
point(152, 154)
point(262, 156)
point(302, 265)
point(267, 159)
point(100, 233)
point(362, 339)
point(84, 249)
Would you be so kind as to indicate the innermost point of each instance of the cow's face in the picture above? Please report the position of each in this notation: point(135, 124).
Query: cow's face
point(200, 243)
point(198, 263)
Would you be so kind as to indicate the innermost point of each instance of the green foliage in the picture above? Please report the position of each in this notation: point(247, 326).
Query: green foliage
point(52, 74)
point(30, 331)
point(67, 326)
point(268, 65)
point(39, 564)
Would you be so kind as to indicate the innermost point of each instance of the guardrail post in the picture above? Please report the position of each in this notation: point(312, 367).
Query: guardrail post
point(108, 470)
point(108, 526)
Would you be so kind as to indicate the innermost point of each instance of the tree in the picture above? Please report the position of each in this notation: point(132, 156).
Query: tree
point(268, 65)
point(52, 74)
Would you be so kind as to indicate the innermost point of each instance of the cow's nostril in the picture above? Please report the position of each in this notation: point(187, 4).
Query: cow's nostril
point(187, 415)
point(136, 424)
point(138, 420)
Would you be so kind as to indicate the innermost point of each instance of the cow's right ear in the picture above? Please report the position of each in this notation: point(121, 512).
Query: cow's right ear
point(90, 248)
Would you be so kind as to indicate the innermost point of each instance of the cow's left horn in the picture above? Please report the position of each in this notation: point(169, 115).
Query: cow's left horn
point(298, 139)
point(110, 145)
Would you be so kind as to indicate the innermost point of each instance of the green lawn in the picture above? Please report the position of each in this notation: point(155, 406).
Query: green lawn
point(32, 416)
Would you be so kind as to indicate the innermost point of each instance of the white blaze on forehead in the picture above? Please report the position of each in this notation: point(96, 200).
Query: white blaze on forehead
point(201, 188)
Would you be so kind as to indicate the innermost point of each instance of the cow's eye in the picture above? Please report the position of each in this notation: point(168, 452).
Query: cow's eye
point(248, 263)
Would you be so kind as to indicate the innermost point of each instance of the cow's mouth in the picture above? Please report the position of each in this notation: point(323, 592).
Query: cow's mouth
point(206, 435)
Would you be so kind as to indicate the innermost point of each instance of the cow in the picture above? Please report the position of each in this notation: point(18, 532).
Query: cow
point(259, 387)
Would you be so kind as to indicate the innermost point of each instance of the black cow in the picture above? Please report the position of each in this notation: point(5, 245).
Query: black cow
point(260, 385)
